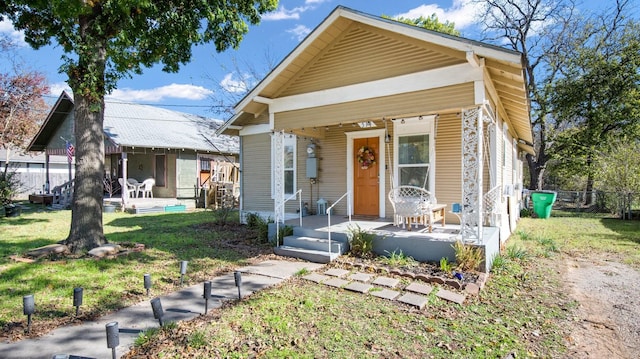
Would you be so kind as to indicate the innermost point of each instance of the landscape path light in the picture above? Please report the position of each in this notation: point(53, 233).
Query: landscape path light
point(77, 298)
point(207, 295)
point(156, 306)
point(28, 308)
point(113, 338)
point(147, 282)
point(238, 278)
point(183, 271)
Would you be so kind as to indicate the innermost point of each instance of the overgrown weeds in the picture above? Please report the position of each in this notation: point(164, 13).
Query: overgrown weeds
point(360, 241)
point(398, 259)
point(468, 257)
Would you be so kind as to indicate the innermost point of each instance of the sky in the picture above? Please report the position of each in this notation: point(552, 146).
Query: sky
point(192, 88)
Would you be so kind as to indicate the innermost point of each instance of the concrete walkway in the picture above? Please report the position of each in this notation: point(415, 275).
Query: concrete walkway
point(89, 340)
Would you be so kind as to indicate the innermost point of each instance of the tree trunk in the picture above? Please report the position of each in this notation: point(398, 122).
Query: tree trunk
point(87, 79)
point(86, 216)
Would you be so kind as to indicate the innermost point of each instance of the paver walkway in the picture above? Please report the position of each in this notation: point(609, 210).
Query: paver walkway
point(88, 340)
point(416, 293)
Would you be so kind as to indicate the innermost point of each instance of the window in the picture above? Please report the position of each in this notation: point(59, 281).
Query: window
point(413, 160)
point(161, 170)
point(289, 165)
point(413, 152)
point(205, 165)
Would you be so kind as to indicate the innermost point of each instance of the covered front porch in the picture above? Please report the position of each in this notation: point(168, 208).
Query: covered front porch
point(418, 243)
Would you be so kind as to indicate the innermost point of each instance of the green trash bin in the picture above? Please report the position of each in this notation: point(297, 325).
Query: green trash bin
point(542, 203)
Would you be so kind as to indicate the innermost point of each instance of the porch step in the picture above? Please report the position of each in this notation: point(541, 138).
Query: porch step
point(312, 243)
point(306, 254)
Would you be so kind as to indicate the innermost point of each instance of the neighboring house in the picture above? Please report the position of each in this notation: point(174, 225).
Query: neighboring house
point(437, 111)
point(146, 142)
point(32, 172)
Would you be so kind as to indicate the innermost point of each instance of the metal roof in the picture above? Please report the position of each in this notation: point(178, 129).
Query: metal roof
point(144, 126)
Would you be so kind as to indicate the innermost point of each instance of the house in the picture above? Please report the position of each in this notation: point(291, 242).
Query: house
point(30, 168)
point(178, 150)
point(366, 104)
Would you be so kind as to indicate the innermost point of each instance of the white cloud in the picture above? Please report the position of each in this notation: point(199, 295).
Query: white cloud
point(232, 85)
point(57, 88)
point(6, 27)
point(300, 32)
point(283, 13)
point(176, 91)
point(462, 12)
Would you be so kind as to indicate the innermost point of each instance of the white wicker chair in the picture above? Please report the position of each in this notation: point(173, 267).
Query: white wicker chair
point(411, 203)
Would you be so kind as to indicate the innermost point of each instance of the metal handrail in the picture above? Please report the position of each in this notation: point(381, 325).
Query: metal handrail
point(299, 192)
point(328, 212)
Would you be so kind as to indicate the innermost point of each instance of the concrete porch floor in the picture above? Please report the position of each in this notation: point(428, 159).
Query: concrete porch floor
point(418, 243)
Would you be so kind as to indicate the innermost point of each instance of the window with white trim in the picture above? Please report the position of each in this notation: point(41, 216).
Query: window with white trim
point(414, 149)
point(290, 164)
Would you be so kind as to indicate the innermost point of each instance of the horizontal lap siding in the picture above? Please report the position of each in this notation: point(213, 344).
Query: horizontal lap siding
point(256, 173)
point(419, 102)
point(449, 162)
point(332, 171)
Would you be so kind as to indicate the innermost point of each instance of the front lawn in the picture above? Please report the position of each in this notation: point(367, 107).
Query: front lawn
point(110, 284)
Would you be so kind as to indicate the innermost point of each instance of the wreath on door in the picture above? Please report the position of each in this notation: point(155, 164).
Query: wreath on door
point(366, 157)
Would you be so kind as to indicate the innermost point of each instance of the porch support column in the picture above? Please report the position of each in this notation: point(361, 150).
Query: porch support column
point(47, 182)
point(123, 191)
point(278, 175)
point(472, 166)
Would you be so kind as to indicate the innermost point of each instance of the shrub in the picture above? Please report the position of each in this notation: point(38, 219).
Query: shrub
point(445, 266)
point(468, 257)
point(9, 185)
point(261, 225)
point(360, 241)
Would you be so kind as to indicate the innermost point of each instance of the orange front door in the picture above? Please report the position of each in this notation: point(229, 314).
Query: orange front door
point(366, 199)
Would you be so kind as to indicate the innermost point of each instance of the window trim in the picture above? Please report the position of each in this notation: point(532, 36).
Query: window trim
point(288, 140)
point(412, 127)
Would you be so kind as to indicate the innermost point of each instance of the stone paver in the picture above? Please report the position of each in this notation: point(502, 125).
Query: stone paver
point(416, 300)
point(358, 287)
point(451, 296)
point(419, 288)
point(315, 277)
point(336, 272)
point(336, 282)
point(385, 294)
point(386, 282)
point(361, 277)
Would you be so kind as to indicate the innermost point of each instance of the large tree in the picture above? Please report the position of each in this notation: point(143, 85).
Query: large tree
point(598, 97)
point(106, 40)
point(547, 33)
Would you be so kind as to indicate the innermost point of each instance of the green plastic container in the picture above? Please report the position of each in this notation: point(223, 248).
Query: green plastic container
point(542, 203)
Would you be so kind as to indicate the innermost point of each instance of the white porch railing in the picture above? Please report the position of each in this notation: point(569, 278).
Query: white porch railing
point(279, 207)
point(348, 195)
point(63, 194)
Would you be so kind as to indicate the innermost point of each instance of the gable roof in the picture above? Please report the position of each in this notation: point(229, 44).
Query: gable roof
point(351, 47)
point(134, 125)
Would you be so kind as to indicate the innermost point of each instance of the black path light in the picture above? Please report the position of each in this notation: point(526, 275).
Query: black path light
point(28, 308)
point(183, 271)
point(77, 298)
point(113, 338)
point(158, 313)
point(207, 295)
point(238, 277)
point(147, 282)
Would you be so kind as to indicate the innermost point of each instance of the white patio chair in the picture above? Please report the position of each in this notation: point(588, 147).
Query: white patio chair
point(411, 203)
point(130, 188)
point(146, 187)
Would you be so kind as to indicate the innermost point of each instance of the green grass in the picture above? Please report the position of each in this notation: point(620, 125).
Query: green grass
point(109, 283)
point(306, 320)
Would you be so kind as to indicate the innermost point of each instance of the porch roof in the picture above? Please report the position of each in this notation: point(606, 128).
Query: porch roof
point(135, 125)
point(351, 49)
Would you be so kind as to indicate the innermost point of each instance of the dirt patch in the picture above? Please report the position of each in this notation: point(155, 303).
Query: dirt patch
point(606, 323)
